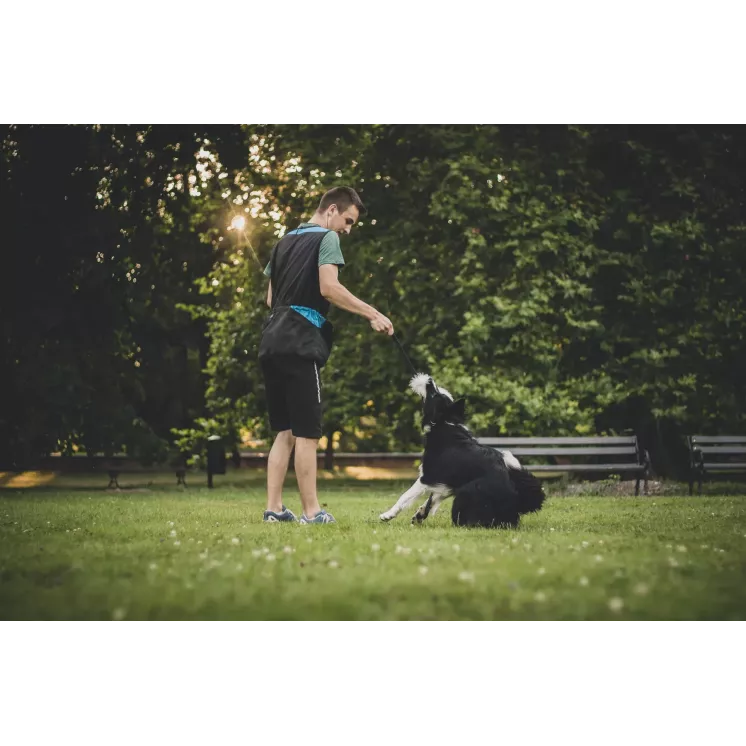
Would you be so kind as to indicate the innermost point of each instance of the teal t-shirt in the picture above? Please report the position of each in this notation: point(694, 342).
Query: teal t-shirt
point(330, 252)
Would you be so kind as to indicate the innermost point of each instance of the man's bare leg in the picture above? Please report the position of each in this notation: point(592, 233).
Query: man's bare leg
point(305, 473)
point(277, 467)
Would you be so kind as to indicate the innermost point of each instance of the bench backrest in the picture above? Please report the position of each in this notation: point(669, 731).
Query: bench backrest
point(623, 448)
point(715, 448)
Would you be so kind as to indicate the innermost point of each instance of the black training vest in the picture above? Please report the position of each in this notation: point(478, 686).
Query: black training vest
point(295, 270)
point(295, 282)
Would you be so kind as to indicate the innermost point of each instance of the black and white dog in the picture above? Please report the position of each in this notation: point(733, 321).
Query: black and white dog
point(490, 488)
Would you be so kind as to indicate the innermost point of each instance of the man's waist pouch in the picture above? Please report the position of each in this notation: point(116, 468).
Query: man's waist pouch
point(290, 331)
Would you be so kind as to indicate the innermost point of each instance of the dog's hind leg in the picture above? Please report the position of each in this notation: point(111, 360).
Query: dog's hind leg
point(406, 499)
point(424, 510)
point(430, 508)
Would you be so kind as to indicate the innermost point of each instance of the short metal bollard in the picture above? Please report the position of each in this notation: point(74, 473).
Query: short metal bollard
point(215, 457)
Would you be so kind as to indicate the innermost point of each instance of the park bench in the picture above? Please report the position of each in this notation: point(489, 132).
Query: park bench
point(589, 455)
point(715, 456)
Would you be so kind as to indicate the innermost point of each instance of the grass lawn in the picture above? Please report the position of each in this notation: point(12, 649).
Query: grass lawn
point(163, 553)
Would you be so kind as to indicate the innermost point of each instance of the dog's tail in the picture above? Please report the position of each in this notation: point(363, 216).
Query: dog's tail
point(490, 501)
point(530, 492)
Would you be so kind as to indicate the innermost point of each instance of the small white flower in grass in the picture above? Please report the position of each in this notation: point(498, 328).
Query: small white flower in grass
point(584, 544)
point(152, 566)
point(616, 603)
point(541, 571)
point(309, 540)
point(540, 597)
point(600, 541)
point(583, 581)
point(270, 557)
point(170, 523)
point(235, 541)
point(333, 564)
point(704, 546)
point(177, 543)
point(256, 552)
point(641, 589)
point(172, 533)
point(467, 577)
point(265, 550)
point(456, 548)
point(119, 614)
point(239, 567)
point(681, 548)
point(551, 529)
point(528, 546)
point(288, 550)
point(374, 531)
point(423, 570)
point(598, 558)
point(203, 555)
point(514, 540)
point(199, 542)
point(669, 546)
point(673, 562)
point(375, 547)
point(402, 550)
point(722, 551)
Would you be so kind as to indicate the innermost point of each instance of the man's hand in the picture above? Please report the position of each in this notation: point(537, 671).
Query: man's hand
point(381, 323)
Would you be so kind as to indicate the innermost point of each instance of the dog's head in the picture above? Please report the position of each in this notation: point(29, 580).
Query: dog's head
point(438, 404)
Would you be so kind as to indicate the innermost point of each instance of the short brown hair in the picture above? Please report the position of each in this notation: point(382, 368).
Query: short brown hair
point(343, 197)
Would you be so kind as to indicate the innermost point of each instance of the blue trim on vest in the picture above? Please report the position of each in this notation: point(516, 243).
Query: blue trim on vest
point(311, 314)
point(308, 229)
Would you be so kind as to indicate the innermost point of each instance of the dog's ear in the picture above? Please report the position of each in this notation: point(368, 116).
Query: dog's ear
point(458, 409)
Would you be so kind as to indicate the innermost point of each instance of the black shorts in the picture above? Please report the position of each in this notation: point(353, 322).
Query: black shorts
point(293, 395)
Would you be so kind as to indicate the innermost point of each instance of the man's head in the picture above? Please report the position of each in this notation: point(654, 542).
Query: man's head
point(340, 209)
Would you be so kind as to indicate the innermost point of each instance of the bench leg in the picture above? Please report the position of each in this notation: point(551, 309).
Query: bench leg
point(637, 488)
point(691, 487)
point(700, 486)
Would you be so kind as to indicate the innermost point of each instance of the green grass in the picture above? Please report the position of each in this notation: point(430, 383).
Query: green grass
point(91, 554)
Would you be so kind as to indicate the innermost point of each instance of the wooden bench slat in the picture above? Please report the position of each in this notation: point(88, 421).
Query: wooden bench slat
point(718, 438)
point(563, 440)
point(614, 451)
point(721, 449)
point(721, 465)
point(584, 467)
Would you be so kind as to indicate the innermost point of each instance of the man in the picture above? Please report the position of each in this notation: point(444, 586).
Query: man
point(296, 342)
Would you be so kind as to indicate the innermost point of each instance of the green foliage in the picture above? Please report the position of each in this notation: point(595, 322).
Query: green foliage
point(567, 280)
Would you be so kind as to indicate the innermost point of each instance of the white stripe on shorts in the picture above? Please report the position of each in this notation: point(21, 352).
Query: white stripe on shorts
point(318, 384)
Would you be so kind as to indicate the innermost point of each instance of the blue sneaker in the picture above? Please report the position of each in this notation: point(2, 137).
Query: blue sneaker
point(285, 516)
point(321, 517)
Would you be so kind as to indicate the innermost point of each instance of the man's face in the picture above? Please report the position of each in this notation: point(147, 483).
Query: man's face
point(341, 222)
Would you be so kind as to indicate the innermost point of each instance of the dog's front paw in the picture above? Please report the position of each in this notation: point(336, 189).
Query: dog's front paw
point(418, 517)
point(387, 516)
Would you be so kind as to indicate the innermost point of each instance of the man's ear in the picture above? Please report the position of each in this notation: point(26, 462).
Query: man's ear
point(458, 409)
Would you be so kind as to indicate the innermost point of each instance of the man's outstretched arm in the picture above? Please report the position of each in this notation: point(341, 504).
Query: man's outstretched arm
point(337, 294)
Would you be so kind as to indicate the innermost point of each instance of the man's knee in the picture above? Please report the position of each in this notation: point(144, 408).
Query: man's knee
point(286, 436)
point(307, 443)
